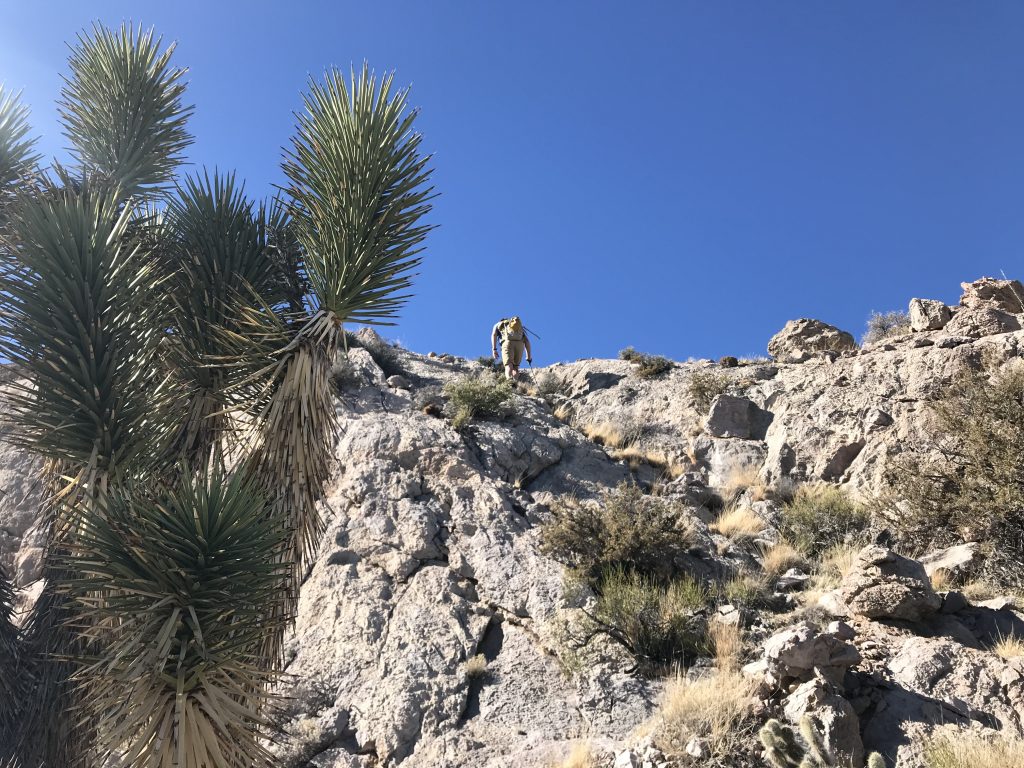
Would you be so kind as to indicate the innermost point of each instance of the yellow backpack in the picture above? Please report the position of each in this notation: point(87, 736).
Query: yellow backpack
point(511, 328)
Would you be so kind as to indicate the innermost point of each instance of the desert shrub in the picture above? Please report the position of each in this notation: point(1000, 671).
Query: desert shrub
point(821, 517)
point(658, 624)
point(704, 386)
point(975, 750)
point(618, 434)
point(548, 385)
point(648, 366)
point(715, 707)
point(470, 397)
point(344, 375)
point(780, 558)
point(882, 325)
point(487, 361)
point(728, 361)
point(726, 640)
point(971, 484)
point(628, 529)
point(746, 590)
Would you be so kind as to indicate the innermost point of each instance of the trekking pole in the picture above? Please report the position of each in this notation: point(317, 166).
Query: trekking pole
point(531, 332)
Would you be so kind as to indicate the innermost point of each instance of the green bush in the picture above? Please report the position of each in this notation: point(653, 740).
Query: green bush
point(344, 375)
point(470, 397)
point(821, 517)
point(704, 386)
point(970, 482)
point(627, 530)
point(882, 325)
point(659, 625)
point(648, 366)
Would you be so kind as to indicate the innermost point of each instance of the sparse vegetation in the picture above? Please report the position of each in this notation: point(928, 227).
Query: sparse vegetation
point(973, 488)
point(716, 707)
point(1009, 647)
point(741, 479)
point(385, 354)
point(613, 435)
point(628, 529)
point(480, 396)
point(784, 750)
point(726, 641)
point(659, 625)
point(739, 524)
point(580, 756)
point(704, 386)
point(995, 749)
point(746, 590)
point(344, 375)
point(780, 558)
point(648, 366)
point(882, 325)
point(638, 457)
point(979, 590)
point(475, 667)
point(821, 517)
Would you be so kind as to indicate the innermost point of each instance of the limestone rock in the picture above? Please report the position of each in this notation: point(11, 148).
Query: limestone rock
point(840, 727)
point(882, 584)
point(928, 315)
point(732, 416)
point(804, 338)
point(975, 322)
point(988, 292)
point(801, 652)
point(953, 560)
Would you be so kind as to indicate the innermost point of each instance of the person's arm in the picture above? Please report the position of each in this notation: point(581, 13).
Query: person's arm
point(529, 354)
point(494, 336)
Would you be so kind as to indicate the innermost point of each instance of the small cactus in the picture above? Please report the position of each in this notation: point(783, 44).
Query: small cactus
point(783, 750)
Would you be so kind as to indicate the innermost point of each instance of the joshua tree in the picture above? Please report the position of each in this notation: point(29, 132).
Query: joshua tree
point(173, 342)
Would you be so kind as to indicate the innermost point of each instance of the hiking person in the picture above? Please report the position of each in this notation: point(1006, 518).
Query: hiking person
point(514, 341)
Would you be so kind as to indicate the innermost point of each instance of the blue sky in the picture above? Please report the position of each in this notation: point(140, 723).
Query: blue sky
point(679, 176)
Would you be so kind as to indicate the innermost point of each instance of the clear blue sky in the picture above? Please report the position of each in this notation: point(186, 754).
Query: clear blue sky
point(681, 176)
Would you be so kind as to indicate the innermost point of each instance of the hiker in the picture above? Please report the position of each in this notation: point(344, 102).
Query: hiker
point(513, 341)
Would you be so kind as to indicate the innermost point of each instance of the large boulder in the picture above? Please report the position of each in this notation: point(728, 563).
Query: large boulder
point(804, 338)
point(884, 585)
point(989, 293)
point(928, 315)
point(802, 653)
point(732, 416)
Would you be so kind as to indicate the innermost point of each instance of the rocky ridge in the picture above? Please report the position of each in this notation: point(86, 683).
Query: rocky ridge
point(431, 555)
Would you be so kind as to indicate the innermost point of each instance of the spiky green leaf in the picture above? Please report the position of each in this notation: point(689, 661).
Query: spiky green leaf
point(17, 155)
point(122, 107)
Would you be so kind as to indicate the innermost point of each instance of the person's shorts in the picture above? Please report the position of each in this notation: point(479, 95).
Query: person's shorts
point(512, 352)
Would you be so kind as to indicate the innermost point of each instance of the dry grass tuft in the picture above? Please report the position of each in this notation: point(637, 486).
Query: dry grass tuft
point(744, 478)
point(738, 524)
point(940, 580)
point(608, 434)
point(975, 751)
point(581, 756)
point(978, 591)
point(780, 558)
point(1009, 647)
point(475, 667)
point(637, 457)
point(563, 413)
point(727, 643)
point(714, 707)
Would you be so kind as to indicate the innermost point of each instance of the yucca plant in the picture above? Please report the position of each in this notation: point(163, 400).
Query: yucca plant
point(177, 593)
point(12, 683)
point(151, 320)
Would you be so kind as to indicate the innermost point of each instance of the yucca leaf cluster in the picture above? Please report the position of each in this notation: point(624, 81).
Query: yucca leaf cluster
point(172, 341)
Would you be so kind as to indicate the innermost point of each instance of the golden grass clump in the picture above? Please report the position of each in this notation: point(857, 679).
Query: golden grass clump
point(1009, 647)
point(637, 457)
point(940, 580)
point(780, 558)
point(580, 756)
point(607, 434)
point(975, 751)
point(979, 591)
point(742, 479)
point(738, 524)
point(713, 707)
point(727, 643)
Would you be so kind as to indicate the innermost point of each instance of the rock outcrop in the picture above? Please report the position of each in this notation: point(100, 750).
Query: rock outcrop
point(801, 339)
point(432, 556)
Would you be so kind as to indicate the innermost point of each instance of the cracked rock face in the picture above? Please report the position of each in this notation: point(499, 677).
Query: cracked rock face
point(884, 585)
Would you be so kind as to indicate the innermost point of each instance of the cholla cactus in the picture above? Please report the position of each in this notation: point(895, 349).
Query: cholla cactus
point(784, 750)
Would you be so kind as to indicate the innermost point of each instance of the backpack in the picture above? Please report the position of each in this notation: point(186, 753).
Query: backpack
point(511, 328)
